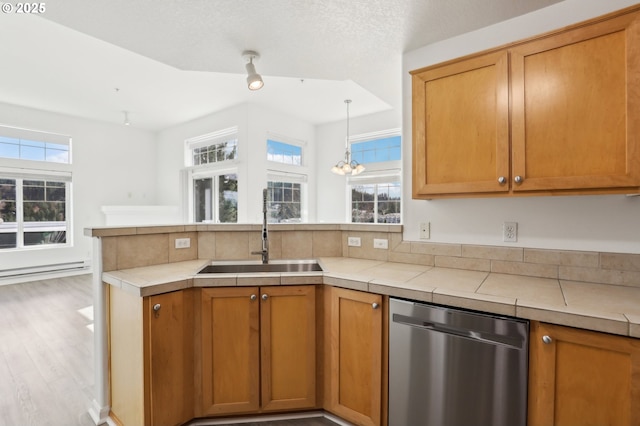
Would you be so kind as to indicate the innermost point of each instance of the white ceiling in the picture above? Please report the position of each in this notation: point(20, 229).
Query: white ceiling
point(171, 61)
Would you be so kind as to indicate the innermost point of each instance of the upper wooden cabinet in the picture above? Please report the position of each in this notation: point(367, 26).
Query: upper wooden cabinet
point(461, 126)
point(580, 377)
point(558, 114)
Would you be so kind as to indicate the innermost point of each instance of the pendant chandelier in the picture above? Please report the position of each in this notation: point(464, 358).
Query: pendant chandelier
point(347, 166)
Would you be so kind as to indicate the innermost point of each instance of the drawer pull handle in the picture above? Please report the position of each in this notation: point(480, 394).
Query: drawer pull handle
point(547, 340)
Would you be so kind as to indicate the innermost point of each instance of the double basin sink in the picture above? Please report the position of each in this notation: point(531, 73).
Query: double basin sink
point(248, 267)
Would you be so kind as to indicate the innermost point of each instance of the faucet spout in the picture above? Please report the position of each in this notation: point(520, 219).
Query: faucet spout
point(265, 232)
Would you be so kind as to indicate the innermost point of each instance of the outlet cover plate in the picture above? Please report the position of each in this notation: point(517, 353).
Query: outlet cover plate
point(354, 241)
point(183, 243)
point(380, 243)
point(425, 230)
point(510, 232)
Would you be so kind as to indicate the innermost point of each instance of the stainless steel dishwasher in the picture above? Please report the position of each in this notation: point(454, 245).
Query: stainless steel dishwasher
point(451, 367)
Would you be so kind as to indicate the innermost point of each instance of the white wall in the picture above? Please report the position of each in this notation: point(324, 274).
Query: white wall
point(598, 223)
point(112, 165)
point(332, 188)
point(255, 123)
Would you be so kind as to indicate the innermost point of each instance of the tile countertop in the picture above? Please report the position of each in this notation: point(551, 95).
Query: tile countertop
point(599, 307)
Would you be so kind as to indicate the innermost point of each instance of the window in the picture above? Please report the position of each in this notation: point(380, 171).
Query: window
point(285, 153)
point(213, 148)
point(212, 184)
point(215, 153)
point(35, 189)
point(376, 194)
point(23, 144)
point(216, 198)
point(376, 203)
point(284, 202)
point(377, 150)
point(33, 212)
point(286, 180)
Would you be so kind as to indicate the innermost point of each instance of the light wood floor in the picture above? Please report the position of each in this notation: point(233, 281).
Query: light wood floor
point(46, 353)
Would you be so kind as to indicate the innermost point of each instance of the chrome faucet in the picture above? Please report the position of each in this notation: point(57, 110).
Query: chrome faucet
point(265, 236)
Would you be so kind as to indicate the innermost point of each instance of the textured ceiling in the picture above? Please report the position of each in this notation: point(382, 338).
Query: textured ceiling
point(175, 60)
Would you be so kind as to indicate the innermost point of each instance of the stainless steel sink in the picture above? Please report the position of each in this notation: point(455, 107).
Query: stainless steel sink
point(254, 267)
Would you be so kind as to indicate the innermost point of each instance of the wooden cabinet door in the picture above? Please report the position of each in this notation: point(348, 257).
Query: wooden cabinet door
point(230, 351)
point(355, 356)
point(582, 377)
point(576, 108)
point(461, 127)
point(169, 359)
point(288, 347)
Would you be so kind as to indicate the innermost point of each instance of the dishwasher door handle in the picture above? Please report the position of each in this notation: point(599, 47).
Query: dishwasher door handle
point(488, 338)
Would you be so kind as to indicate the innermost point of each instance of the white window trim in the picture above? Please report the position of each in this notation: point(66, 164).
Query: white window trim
point(364, 137)
point(205, 140)
point(377, 172)
point(200, 172)
point(21, 174)
point(277, 176)
point(38, 136)
point(291, 141)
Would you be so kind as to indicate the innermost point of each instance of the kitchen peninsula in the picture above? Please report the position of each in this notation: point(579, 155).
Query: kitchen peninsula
point(586, 290)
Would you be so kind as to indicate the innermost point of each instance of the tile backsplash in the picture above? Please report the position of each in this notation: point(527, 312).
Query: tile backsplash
point(134, 247)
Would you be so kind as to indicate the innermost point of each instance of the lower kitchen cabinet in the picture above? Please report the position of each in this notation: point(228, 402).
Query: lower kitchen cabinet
point(355, 358)
point(257, 349)
point(151, 358)
point(580, 377)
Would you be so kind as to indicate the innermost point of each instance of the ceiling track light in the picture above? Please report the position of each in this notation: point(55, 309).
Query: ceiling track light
point(126, 118)
point(347, 166)
point(254, 80)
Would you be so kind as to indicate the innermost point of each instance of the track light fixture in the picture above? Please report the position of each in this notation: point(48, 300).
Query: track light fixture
point(126, 118)
point(347, 166)
point(254, 80)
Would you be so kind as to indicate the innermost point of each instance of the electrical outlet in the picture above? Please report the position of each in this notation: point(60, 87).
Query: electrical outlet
point(425, 230)
point(353, 241)
point(380, 243)
point(510, 232)
point(183, 243)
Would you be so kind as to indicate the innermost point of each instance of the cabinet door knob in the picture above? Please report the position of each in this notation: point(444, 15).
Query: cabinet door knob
point(375, 305)
point(265, 297)
point(518, 179)
point(157, 307)
point(502, 180)
point(253, 297)
point(547, 339)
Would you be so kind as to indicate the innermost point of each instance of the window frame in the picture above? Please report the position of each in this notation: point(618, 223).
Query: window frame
point(29, 136)
point(190, 173)
point(301, 179)
point(376, 173)
point(286, 141)
point(21, 226)
point(209, 139)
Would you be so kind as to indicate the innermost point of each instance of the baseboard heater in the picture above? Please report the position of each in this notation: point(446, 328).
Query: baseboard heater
point(45, 269)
